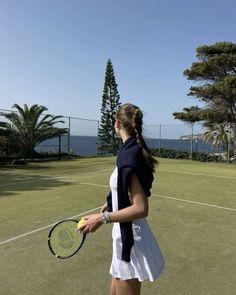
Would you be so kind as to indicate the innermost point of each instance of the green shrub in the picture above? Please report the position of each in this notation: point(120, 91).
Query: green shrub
point(177, 154)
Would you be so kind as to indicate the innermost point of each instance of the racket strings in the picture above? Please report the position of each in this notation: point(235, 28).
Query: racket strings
point(64, 239)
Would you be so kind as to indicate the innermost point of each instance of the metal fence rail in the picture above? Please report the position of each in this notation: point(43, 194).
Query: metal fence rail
point(82, 138)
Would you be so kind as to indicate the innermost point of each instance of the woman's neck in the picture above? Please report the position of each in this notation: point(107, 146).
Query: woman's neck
point(124, 136)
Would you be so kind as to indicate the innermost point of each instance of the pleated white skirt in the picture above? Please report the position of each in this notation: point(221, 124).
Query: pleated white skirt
point(147, 261)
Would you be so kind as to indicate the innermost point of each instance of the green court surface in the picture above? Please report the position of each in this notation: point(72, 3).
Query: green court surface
point(192, 213)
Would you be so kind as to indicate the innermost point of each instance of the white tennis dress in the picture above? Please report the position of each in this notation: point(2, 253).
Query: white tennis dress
point(147, 261)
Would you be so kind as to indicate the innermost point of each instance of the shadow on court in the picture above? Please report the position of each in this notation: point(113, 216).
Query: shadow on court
point(14, 183)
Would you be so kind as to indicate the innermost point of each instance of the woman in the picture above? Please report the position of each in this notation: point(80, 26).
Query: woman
point(136, 254)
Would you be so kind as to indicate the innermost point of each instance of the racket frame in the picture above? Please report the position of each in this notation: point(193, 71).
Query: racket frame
point(49, 244)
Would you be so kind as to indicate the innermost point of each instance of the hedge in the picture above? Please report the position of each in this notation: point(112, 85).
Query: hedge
point(177, 154)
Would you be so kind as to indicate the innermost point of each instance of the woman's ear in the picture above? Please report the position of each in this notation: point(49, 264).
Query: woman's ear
point(117, 126)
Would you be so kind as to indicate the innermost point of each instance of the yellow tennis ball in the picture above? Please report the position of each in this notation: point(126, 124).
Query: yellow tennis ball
point(81, 222)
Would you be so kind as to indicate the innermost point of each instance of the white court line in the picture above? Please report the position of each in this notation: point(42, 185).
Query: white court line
point(198, 174)
point(60, 178)
point(193, 202)
point(106, 186)
point(94, 184)
point(48, 177)
point(63, 178)
point(172, 198)
point(45, 227)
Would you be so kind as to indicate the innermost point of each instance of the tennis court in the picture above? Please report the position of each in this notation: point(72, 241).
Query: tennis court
point(192, 213)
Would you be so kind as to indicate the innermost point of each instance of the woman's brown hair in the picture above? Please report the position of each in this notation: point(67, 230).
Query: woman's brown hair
point(131, 119)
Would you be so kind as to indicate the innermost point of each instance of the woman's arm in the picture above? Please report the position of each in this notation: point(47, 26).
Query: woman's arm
point(138, 208)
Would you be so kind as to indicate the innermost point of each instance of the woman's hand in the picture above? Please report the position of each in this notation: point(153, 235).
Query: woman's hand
point(93, 222)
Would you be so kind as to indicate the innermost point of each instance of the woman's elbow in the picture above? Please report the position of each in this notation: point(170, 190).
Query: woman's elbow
point(143, 212)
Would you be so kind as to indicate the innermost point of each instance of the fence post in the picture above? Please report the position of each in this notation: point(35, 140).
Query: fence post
point(31, 144)
point(97, 137)
point(68, 140)
point(229, 141)
point(160, 140)
point(191, 142)
point(59, 145)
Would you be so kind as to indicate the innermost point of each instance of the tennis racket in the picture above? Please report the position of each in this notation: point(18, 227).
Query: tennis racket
point(63, 239)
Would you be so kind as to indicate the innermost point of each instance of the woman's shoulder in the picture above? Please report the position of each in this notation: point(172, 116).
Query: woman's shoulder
point(130, 157)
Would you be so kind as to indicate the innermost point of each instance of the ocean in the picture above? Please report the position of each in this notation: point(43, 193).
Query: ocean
point(87, 145)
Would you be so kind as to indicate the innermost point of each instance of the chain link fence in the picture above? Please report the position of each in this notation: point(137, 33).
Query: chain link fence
point(82, 138)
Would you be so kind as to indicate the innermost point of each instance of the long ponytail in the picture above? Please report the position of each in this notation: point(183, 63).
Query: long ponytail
point(131, 118)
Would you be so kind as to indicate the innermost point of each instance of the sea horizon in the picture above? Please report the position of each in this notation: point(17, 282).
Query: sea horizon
point(87, 145)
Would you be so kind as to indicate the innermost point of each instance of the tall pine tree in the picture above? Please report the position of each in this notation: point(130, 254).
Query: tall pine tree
point(108, 143)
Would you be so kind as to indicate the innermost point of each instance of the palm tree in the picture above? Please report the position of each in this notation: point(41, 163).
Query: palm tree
point(27, 128)
point(219, 134)
point(6, 144)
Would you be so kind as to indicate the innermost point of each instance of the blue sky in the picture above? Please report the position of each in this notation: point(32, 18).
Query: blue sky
point(54, 52)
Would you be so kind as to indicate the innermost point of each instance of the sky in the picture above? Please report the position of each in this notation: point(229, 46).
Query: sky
point(54, 52)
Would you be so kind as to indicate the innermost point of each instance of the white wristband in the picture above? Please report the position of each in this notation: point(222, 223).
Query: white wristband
point(105, 217)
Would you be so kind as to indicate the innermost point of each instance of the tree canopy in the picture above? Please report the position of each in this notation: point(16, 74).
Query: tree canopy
point(108, 142)
point(28, 127)
point(215, 76)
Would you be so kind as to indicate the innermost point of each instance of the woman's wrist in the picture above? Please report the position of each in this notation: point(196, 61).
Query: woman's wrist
point(106, 217)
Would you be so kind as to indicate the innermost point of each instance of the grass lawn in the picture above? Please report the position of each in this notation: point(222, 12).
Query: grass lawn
point(192, 213)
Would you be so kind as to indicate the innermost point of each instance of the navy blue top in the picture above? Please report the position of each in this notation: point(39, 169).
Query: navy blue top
point(130, 159)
